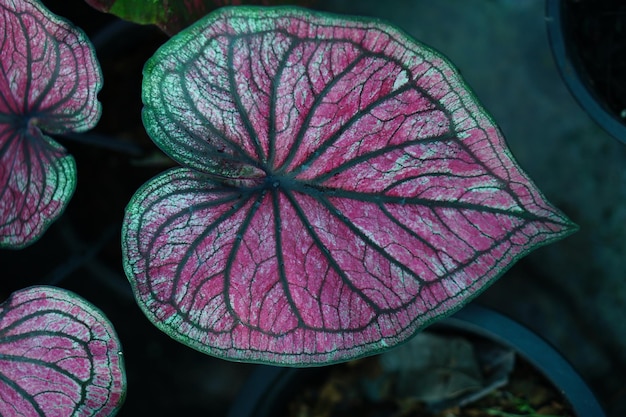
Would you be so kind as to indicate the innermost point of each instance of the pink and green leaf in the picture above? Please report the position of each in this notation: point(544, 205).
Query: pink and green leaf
point(342, 189)
point(59, 356)
point(174, 16)
point(49, 80)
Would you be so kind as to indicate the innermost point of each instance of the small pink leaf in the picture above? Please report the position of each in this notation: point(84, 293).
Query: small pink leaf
point(59, 356)
point(344, 189)
point(49, 79)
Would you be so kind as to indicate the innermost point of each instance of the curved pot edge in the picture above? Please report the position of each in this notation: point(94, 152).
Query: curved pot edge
point(575, 84)
point(534, 349)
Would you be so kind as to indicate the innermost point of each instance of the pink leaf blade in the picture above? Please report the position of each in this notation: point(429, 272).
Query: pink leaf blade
point(367, 207)
point(195, 292)
point(204, 291)
point(59, 355)
point(37, 179)
point(49, 80)
point(221, 145)
point(174, 210)
point(49, 69)
point(344, 103)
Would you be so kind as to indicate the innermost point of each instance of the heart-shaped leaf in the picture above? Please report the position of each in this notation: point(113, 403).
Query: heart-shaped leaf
point(49, 79)
point(59, 356)
point(173, 16)
point(343, 189)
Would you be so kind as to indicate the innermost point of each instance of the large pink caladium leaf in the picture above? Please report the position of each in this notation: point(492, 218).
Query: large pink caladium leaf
point(59, 356)
point(173, 16)
point(49, 79)
point(342, 189)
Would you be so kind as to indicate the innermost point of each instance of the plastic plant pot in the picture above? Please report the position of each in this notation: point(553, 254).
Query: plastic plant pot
point(574, 70)
point(269, 388)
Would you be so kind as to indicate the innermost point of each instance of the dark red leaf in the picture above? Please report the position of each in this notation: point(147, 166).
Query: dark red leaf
point(173, 16)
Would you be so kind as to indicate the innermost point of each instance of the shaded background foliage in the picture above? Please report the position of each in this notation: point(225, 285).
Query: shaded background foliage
point(571, 292)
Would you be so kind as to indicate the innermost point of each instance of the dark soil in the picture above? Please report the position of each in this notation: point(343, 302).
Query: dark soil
point(597, 29)
point(338, 394)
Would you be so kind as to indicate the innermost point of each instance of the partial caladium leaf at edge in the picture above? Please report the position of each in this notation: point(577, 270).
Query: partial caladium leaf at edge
point(343, 190)
point(59, 356)
point(49, 80)
point(173, 16)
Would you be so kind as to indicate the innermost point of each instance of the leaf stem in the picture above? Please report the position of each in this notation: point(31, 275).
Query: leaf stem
point(104, 141)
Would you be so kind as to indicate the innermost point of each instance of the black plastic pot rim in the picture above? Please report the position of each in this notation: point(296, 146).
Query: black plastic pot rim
point(266, 382)
point(577, 86)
